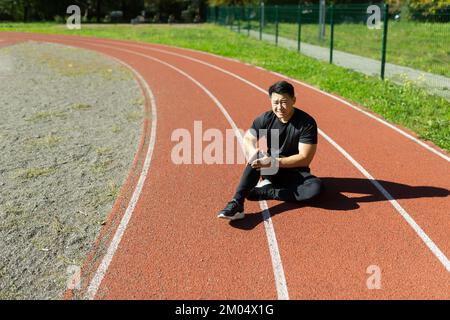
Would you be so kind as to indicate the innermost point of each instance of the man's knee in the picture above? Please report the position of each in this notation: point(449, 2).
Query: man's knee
point(317, 186)
point(311, 188)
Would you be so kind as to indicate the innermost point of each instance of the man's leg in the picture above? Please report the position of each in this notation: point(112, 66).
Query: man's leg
point(249, 180)
point(309, 186)
point(235, 208)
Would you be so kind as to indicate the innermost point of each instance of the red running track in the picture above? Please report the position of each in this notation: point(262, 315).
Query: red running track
point(386, 202)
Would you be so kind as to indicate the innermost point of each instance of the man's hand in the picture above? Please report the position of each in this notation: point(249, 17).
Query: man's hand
point(265, 162)
point(254, 156)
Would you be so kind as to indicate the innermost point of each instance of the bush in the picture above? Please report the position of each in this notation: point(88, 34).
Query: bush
point(59, 19)
point(187, 15)
point(171, 19)
point(429, 10)
point(395, 6)
point(197, 19)
point(156, 18)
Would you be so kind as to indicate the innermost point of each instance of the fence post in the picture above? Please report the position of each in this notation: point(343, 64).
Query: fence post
point(243, 16)
point(231, 17)
point(299, 35)
point(261, 20)
point(322, 19)
point(248, 24)
point(331, 33)
point(385, 31)
point(239, 19)
point(227, 16)
point(276, 25)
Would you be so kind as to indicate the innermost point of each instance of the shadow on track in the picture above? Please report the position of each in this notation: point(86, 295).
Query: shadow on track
point(334, 199)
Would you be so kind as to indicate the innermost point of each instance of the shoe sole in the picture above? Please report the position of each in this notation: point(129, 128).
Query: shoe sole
point(263, 183)
point(237, 216)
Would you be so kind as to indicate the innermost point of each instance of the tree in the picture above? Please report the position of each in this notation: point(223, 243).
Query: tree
point(184, 10)
point(231, 2)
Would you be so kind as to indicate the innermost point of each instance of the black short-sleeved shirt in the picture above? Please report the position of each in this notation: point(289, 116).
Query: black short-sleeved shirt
point(301, 127)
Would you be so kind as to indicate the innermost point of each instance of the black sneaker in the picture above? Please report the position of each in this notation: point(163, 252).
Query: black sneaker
point(233, 211)
point(261, 193)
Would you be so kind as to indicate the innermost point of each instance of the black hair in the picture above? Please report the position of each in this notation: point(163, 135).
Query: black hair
point(281, 87)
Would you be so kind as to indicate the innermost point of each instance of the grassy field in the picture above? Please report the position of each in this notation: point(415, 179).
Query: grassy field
point(422, 46)
point(413, 108)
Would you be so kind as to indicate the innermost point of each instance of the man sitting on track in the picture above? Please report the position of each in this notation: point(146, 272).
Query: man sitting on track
point(291, 180)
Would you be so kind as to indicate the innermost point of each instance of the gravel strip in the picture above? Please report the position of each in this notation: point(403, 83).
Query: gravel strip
point(70, 123)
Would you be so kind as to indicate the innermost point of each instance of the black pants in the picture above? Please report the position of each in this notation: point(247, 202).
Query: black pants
point(290, 185)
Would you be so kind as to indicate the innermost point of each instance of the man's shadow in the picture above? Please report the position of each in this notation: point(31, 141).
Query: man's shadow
point(332, 197)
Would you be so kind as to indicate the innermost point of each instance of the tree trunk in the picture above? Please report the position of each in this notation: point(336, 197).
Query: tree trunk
point(98, 10)
point(25, 12)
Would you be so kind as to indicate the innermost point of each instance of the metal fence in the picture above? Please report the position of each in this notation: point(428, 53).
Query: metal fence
point(357, 36)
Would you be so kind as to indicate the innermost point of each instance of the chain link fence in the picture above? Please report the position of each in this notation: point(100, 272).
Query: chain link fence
point(363, 37)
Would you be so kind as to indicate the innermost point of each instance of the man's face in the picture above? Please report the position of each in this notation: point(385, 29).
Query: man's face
point(282, 104)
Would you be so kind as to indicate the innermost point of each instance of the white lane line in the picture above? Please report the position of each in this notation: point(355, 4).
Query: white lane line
point(428, 242)
point(113, 246)
point(405, 134)
point(419, 231)
point(280, 280)
point(107, 258)
point(382, 121)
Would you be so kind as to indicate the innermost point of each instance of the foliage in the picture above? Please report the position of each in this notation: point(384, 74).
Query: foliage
point(406, 105)
point(429, 10)
point(98, 10)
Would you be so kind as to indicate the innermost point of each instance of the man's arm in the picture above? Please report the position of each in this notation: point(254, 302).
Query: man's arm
point(304, 157)
point(250, 149)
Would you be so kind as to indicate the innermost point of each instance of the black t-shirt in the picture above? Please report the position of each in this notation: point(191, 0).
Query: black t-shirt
point(301, 128)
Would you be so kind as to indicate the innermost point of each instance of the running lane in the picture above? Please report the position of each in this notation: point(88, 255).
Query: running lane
point(326, 247)
point(174, 246)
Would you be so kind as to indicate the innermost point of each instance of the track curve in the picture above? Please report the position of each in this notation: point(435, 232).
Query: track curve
point(174, 247)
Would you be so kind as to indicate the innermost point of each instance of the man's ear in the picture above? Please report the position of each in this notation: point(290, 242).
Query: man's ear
point(294, 99)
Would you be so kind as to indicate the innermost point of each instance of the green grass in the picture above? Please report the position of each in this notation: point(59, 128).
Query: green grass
point(11, 293)
point(106, 195)
point(32, 173)
point(138, 102)
point(46, 115)
point(101, 166)
point(104, 151)
point(427, 115)
point(422, 46)
point(133, 116)
point(50, 140)
point(81, 106)
point(116, 129)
